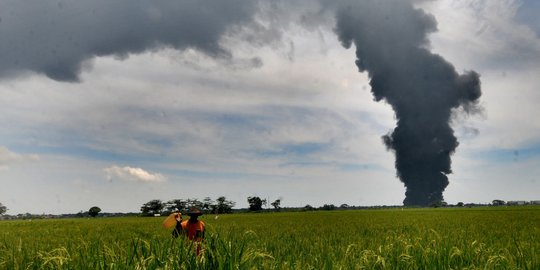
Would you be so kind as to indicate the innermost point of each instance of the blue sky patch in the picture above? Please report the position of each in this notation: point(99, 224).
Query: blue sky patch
point(528, 14)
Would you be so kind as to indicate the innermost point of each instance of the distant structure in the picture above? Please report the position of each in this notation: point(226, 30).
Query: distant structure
point(517, 202)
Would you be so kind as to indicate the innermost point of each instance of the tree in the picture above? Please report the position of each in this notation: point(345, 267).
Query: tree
point(438, 203)
point(498, 202)
point(460, 204)
point(224, 206)
point(276, 204)
point(3, 209)
point(94, 211)
point(328, 207)
point(152, 207)
point(255, 203)
point(208, 204)
point(175, 205)
point(194, 203)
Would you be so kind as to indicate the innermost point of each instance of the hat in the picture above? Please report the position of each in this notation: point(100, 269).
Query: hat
point(194, 211)
point(170, 221)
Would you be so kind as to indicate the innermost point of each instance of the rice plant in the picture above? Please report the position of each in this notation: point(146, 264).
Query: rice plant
point(477, 238)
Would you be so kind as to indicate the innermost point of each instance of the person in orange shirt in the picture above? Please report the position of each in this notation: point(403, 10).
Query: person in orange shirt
point(192, 228)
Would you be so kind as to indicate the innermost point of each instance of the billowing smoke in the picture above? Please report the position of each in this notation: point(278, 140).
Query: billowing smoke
point(423, 89)
point(55, 38)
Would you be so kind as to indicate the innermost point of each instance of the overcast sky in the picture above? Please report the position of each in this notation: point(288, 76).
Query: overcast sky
point(115, 103)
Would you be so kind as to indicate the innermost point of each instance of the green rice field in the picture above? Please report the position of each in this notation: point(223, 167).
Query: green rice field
point(450, 238)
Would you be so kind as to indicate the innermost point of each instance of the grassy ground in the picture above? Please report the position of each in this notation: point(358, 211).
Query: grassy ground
point(475, 238)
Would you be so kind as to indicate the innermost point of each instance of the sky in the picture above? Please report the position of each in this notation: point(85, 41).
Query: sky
point(114, 104)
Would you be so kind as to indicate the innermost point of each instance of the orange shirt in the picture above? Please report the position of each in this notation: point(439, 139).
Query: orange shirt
point(194, 230)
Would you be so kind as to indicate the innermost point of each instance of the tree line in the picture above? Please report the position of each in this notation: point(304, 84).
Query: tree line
point(223, 206)
point(219, 206)
point(157, 207)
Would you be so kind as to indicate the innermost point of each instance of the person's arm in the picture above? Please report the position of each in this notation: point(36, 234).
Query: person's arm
point(201, 235)
point(178, 228)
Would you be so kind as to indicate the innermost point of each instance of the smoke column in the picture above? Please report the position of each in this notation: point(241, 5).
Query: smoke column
point(423, 89)
point(58, 38)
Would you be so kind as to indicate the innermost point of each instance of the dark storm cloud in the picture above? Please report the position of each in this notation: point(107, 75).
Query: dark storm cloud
point(56, 37)
point(423, 89)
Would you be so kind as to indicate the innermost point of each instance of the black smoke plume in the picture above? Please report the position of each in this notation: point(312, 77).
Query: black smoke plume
point(55, 38)
point(423, 89)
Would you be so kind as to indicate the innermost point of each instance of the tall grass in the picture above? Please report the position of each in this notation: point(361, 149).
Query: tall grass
point(494, 238)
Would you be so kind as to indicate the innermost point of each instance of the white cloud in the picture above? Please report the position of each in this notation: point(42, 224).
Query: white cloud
point(132, 174)
point(506, 176)
point(8, 157)
point(479, 34)
point(483, 35)
point(200, 114)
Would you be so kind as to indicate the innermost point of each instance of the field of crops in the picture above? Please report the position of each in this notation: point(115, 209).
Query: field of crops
point(464, 238)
